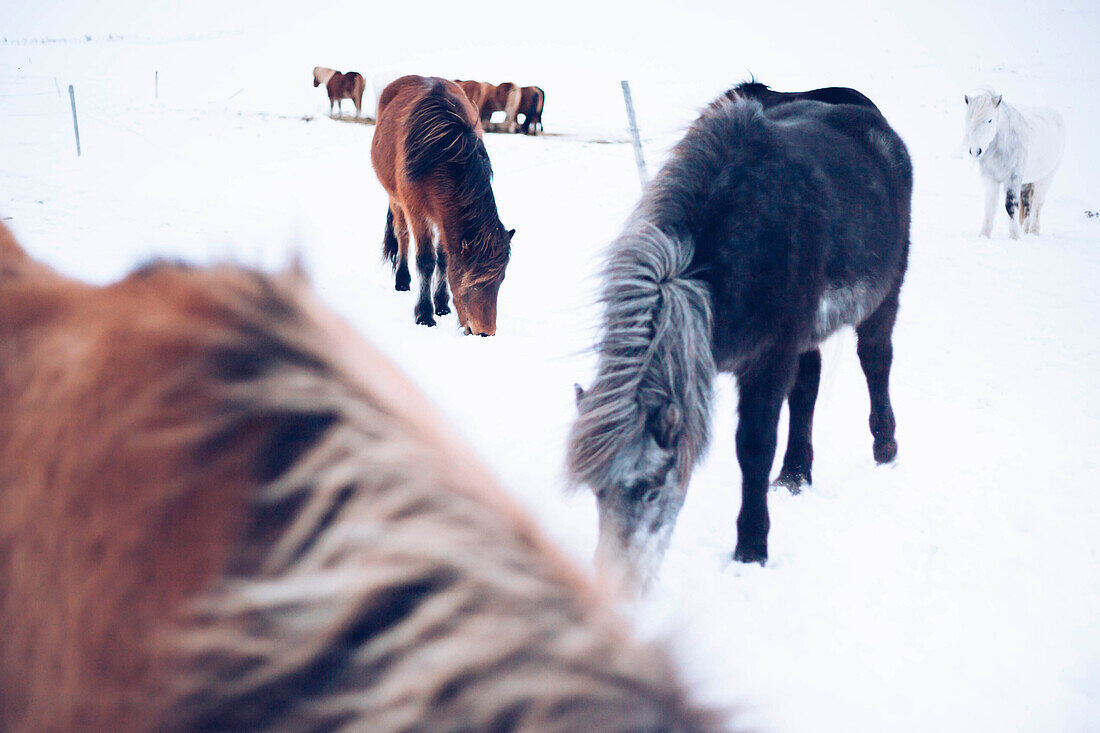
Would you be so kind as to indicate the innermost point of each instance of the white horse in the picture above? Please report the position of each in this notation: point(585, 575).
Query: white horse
point(1020, 149)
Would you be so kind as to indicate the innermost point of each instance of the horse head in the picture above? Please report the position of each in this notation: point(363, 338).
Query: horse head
point(983, 115)
point(639, 493)
point(475, 278)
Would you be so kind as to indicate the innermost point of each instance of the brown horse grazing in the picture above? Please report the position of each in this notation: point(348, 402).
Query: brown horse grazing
point(500, 98)
point(428, 154)
point(221, 510)
point(531, 102)
point(340, 86)
point(475, 91)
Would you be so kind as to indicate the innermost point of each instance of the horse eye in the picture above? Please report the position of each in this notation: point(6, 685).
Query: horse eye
point(651, 496)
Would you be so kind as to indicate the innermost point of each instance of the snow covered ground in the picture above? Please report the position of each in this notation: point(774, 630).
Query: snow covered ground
point(959, 590)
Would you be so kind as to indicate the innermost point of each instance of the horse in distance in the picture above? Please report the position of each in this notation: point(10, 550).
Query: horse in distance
point(531, 102)
point(428, 154)
point(220, 509)
point(766, 231)
point(1019, 149)
point(340, 87)
point(500, 98)
point(475, 91)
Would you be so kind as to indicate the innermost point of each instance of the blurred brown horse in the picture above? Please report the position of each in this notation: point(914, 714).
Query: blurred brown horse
point(500, 98)
point(475, 91)
point(531, 102)
point(340, 87)
point(428, 154)
point(221, 510)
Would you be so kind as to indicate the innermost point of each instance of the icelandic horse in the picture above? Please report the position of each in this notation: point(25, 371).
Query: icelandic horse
point(220, 509)
point(1020, 149)
point(531, 102)
point(500, 98)
point(429, 156)
point(340, 87)
point(475, 91)
point(769, 228)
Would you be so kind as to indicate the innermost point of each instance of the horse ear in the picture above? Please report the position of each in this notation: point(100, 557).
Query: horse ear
point(511, 233)
point(997, 100)
point(578, 392)
point(670, 419)
point(967, 98)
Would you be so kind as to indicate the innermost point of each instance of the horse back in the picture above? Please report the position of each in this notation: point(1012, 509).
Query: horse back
point(1046, 142)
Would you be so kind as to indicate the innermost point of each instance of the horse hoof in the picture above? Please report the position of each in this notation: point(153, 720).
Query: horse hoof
point(402, 280)
point(885, 451)
point(793, 481)
point(442, 310)
point(424, 317)
point(401, 287)
point(751, 554)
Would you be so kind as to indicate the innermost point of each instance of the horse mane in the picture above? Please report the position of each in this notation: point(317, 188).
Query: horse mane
point(440, 136)
point(372, 575)
point(655, 347)
point(982, 102)
point(656, 339)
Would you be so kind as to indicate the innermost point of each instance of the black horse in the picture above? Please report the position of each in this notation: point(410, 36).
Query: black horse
point(772, 225)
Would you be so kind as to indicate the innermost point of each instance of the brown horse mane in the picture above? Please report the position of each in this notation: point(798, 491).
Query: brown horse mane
point(269, 529)
point(443, 137)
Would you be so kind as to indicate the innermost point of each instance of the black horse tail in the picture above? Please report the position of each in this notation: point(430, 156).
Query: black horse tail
point(389, 241)
point(438, 134)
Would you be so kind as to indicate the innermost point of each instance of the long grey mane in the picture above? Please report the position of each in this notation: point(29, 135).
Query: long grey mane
point(655, 348)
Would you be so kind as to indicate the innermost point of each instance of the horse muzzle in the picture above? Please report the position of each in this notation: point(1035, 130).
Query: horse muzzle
point(975, 152)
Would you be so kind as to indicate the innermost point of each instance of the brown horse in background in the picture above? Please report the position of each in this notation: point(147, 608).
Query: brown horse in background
point(220, 509)
point(531, 102)
point(475, 91)
point(500, 98)
point(428, 154)
point(340, 86)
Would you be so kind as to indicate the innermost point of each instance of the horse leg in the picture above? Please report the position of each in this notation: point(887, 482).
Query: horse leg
point(1027, 192)
point(992, 188)
point(442, 296)
point(1012, 201)
point(425, 265)
point(761, 398)
point(398, 251)
point(876, 354)
point(800, 452)
point(1039, 197)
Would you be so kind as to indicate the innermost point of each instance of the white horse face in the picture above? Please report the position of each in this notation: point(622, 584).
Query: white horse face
point(983, 115)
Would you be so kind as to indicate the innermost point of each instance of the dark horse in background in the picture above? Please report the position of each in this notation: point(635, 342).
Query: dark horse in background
point(773, 225)
point(428, 154)
point(340, 87)
point(221, 510)
point(531, 102)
